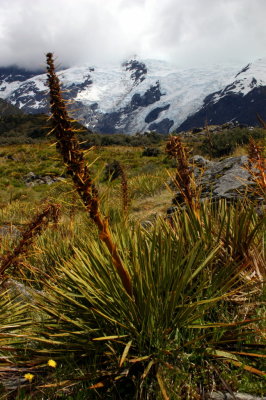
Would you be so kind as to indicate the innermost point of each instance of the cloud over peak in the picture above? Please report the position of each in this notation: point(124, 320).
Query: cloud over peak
point(99, 31)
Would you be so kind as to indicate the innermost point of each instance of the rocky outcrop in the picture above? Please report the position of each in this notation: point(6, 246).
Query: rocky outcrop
point(154, 114)
point(227, 178)
point(163, 126)
point(20, 291)
point(151, 95)
point(224, 179)
point(138, 70)
point(151, 152)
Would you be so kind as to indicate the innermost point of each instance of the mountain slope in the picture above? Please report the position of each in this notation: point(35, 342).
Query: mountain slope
point(128, 98)
point(8, 109)
point(240, 100)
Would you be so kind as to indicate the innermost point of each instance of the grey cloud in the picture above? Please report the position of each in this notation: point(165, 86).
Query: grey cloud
point(211, 30)
point(98, 31)
point(80, 31)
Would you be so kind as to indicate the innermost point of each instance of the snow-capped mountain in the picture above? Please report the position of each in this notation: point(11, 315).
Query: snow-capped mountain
point(240, 100)
point(129, 98)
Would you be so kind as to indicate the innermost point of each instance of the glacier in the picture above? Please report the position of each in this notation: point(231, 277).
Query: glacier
point(134, 96)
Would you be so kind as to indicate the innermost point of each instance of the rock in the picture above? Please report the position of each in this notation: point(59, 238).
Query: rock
point(225, 179)
point(163, 126)
point(9, 230)
point(151, 96)
point(154, 114)
point(238, 396)
point(31, 179)
point(200, 161)
point(138, 70)
point(30, 176)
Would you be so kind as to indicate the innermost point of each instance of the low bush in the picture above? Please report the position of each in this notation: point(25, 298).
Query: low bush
point(223, 143)
point(151, 152)
point(112, 170)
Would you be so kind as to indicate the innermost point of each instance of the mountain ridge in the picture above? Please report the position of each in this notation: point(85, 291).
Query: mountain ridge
point(240, 100)
point(138, 95)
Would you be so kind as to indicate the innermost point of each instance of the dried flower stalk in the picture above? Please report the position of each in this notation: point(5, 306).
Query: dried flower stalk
point(184, 178)
point(257, 165)
point(33, 229)
point(125, 199)
point(73, 157)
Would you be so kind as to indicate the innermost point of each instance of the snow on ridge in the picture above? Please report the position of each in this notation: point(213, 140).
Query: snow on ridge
point(183, 89)
point(251, 76)
point(6, 89)
point(112, 87)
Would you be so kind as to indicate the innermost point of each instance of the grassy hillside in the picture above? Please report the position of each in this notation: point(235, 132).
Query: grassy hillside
point(145, 174)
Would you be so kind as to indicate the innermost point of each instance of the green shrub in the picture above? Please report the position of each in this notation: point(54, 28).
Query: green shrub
point(225, 142)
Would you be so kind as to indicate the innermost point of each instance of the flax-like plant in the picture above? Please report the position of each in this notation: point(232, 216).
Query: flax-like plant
point(173, 331)
point(14, 318)
point(146, 185)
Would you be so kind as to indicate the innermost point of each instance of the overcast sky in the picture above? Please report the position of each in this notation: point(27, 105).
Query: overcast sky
point(184, 32)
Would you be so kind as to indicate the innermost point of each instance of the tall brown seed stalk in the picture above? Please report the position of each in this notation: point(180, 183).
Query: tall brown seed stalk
point(184, 178)
point(32, 230)
point(257, 165)
point(124, 187)
point(73, 157)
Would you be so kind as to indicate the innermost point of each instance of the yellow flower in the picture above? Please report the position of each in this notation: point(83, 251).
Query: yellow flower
point(52, 363)
point(29, 377)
